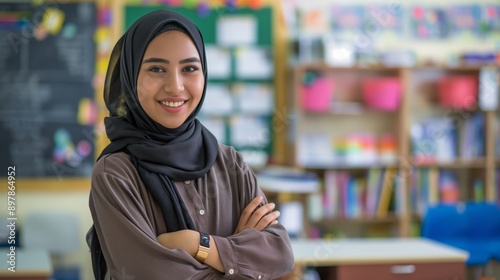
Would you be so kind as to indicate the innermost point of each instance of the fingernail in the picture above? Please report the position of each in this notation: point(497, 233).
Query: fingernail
point(272, 205)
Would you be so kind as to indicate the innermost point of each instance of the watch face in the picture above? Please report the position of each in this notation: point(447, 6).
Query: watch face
point(205, 240)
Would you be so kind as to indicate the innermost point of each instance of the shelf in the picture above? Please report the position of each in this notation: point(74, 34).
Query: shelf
point(391, 218)
point(320, 66)
point(458, 163)
point(320, 166)
point(361, 111)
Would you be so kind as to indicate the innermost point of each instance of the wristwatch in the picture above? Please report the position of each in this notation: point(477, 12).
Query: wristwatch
point(203, 248)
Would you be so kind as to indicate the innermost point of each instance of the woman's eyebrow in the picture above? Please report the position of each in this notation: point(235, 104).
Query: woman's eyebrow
point(155, 60)
point(162, 60)
point(189, 60)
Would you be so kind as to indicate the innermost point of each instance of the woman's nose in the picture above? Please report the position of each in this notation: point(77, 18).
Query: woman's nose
point(174, 83)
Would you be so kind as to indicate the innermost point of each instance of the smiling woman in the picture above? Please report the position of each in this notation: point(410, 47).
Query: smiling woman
point(171, 81)
point(166, 197)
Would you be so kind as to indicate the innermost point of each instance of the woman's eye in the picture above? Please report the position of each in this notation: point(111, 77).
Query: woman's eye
point(156, 69)
point(190, 69)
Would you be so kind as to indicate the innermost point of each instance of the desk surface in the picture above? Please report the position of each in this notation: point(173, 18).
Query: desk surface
point(373, 251)
point(29, 263)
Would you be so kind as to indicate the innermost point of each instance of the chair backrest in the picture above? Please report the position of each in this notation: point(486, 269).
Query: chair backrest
point(484, 220)
point(444, 222)
point(56, 232)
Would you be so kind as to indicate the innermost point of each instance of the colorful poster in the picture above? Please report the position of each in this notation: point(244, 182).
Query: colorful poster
point(428, 23)
point(490, 19)
point(464, 20)
point(346, 20)
point(385, 18)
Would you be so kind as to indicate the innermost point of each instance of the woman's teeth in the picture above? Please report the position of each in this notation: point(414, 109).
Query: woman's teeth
point(172, 104)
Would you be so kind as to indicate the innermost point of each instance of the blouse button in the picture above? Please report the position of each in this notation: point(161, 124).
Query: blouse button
point(231, 271)
point(260, 277)
point(187, 182)
point(202, 212)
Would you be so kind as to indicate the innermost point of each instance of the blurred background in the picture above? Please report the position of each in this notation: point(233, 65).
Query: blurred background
point(358, 117)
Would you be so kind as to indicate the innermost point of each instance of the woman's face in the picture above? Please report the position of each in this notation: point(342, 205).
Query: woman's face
point(170, 82)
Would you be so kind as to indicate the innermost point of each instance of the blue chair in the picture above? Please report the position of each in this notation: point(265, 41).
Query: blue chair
point(449, 224)
point(484, 228)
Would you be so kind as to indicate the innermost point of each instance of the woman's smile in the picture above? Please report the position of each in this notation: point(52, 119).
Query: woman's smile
point(173, 106)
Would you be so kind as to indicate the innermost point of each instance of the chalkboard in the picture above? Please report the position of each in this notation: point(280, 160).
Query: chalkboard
point(47, 108)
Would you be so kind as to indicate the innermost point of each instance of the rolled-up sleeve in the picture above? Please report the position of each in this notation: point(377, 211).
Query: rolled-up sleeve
point(253, 254)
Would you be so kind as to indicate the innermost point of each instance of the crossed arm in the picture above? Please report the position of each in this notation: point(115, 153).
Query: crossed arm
point(253, 217)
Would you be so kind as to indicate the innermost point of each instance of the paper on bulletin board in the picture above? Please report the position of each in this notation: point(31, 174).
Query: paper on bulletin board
point(253, 63)
point(218, 100)
point(255, 98)
point(236, 30)
point(248, 131)
point(219, 62)
point(217, 127)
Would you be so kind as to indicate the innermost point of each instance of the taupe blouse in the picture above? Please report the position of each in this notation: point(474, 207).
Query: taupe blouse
point(128, 220)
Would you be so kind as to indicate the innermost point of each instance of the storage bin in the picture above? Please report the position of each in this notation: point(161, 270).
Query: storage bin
point(458, 91)
point(381, 93)
point(318, 95)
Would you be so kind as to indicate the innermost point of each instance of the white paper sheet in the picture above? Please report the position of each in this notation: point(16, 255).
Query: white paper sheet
point(255, 98)
point(249, 131)
point(219, 62)
point(218, 100)
point(236, 30)
point(254, 63)
point(217, 127)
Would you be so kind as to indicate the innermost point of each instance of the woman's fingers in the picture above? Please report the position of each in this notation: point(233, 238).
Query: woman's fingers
point(250, 209)
point(260, 213)
point(267, 220)
point(247, 213)
point(257, 217)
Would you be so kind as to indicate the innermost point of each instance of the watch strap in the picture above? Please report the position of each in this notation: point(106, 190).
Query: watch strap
point(203, 248)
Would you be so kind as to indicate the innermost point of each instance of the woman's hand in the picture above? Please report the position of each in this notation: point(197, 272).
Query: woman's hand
point(255, 217)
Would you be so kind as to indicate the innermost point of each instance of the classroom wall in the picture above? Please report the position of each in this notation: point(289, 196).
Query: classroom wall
point(77, 201)
point(436, 50)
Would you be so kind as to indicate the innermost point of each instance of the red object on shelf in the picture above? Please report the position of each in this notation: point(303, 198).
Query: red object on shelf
point(382, 93)
point(318, 95)
point(458, 91)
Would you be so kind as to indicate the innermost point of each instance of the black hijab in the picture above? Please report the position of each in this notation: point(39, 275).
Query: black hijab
point(161, 155)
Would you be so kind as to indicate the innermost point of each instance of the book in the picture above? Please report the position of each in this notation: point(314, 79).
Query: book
point(386, 192)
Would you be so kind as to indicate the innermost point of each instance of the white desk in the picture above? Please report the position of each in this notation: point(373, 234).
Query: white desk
point(30, 265)
point(383, 259)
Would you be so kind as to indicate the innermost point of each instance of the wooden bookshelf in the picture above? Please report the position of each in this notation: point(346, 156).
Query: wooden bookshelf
point(418, 102)
point(456, 164)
